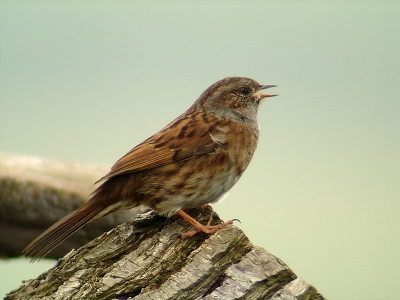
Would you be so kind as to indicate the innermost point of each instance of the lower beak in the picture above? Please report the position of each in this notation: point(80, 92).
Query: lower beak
point(264, 95)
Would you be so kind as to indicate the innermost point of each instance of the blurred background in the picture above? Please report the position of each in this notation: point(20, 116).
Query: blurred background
point(87, 81)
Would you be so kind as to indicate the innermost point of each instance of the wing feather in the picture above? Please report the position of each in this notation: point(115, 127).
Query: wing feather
point(180, 140)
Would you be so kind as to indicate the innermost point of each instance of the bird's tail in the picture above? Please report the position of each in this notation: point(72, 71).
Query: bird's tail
point(65, 227)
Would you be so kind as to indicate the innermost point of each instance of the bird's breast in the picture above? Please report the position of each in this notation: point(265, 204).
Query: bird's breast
point(205, 178)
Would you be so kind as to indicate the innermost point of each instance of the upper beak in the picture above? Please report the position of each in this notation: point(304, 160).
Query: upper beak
point(264, 95)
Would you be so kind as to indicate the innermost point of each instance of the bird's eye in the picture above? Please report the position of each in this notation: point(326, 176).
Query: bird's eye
point(243, 91)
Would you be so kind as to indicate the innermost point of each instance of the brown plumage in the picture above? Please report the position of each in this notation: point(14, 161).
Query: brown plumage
point(192, 161)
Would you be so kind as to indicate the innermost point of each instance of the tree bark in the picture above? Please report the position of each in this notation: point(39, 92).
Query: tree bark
point(146, 258)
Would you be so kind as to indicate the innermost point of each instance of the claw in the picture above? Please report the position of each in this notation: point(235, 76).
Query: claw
point(198, 227)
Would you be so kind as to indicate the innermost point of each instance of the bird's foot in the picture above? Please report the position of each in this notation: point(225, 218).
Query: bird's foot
point(198, 227)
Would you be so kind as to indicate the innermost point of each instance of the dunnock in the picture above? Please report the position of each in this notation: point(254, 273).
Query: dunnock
point(191, 162)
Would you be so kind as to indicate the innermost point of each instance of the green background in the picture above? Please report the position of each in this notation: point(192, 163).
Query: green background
point(87, 81)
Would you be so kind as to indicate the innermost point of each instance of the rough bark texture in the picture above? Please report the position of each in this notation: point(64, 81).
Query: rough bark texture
point(146, 258)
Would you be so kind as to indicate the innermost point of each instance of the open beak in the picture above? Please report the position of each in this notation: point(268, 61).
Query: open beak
point(260, 96)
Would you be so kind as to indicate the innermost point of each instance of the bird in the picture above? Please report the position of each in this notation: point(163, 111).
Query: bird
point(191, 162)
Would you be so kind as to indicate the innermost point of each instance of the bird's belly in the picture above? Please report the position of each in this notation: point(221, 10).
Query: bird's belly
point(197, 190)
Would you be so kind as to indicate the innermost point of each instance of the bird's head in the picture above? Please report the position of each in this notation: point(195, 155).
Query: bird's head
point(233, 96)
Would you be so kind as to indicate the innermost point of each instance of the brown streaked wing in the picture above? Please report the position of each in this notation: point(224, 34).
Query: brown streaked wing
point(180, 140)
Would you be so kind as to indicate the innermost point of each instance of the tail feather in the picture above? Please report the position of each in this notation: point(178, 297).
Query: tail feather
point(61, 230)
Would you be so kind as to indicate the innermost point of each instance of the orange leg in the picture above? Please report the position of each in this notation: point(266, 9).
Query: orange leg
point(198, 227)
point(176, 216)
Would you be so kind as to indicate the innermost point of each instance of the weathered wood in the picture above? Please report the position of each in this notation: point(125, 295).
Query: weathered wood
point(146, 258)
